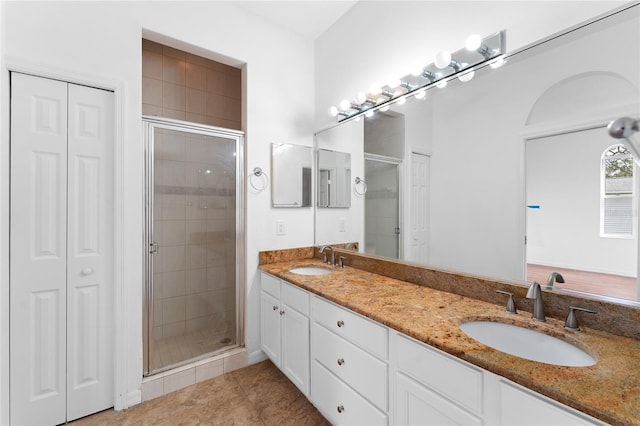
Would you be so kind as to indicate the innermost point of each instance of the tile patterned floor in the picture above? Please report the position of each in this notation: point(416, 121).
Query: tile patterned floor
point(256, 395)
point(178, 349)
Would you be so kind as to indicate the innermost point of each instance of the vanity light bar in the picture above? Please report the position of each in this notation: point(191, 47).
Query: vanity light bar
point(446, 66)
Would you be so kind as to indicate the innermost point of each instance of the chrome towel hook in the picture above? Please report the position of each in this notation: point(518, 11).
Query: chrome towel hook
point(258, 173)
point(360, 186)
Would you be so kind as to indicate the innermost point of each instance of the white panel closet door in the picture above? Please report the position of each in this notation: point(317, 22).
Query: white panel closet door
point(38, 266)
point(61, 267)
point(90, 252)
point(419, 208)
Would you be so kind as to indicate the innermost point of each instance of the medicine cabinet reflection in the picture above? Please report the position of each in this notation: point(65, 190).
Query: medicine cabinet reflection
point(334, 176)
point(291, 167)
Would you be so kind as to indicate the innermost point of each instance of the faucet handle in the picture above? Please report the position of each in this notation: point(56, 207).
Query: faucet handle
point(341, 260)
point(572, 321)
point(511, 305)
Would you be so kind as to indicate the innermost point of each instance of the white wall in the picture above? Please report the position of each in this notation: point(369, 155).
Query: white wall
point(100, 43)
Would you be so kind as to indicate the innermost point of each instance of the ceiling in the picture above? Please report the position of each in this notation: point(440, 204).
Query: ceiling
point(307, 18)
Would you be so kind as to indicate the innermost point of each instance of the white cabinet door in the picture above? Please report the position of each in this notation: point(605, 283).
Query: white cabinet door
point(418, 405)
point(61, 219)
point(520, 407)
point(270, 327)
point(295, 348)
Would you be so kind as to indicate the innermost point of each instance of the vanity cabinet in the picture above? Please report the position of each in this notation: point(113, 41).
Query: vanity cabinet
point(357, 371)
point(435, 388)
point(349, 369)
point(284, 330)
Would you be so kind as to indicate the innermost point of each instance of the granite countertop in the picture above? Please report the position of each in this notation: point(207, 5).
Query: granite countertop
point(608, 390)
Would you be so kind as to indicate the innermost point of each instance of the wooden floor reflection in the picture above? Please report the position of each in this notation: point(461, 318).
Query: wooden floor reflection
point(588, 282)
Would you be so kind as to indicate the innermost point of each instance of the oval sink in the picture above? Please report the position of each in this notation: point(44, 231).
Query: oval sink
point(525, 343)
point(310, 270)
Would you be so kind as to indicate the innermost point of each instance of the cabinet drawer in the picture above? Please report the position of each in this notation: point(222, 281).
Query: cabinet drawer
point(459, 382)
point(365, 333)
point(295, 298)
point(270, 285)
point(339, 403)
point(363, 372)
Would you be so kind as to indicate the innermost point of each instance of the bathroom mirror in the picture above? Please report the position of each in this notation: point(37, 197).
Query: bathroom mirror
point(465, 152)
point(334, 177)
point(291, 167)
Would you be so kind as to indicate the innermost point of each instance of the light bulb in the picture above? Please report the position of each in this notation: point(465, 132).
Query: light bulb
point(442, 84)
point(417, 72)
point(421, 94)
point(473, 42)
point(443, 59)
point(401, 101)
point(497, 63)
point(375, 89)
point(333, 111)
point(466, 76)
point(345, 104)
point(393, 83)
point(369, 113)
point(361, 98)
point(384, 108)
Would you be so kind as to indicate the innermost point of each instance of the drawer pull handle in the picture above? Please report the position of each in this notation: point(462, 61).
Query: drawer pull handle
point(275, 308)
point(340, 408)
point(340, 323)
point(340, 361)
point(281, 312)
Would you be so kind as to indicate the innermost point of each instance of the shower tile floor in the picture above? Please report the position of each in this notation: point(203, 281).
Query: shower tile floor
point(173, 350)
point(256, 395)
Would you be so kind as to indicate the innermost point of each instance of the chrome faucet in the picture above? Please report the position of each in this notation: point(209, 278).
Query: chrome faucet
point(535, 293)
point(554, 277)
point(324, 256)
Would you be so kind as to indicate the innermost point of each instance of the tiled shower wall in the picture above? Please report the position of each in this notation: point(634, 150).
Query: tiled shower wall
point(194, 205)
point(180, 85)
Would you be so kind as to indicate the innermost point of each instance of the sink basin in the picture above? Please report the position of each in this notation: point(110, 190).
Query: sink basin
point(529, 344)
point(310, 270)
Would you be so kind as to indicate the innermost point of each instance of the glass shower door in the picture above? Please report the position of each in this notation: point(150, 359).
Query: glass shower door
point(382, 206)
point(193, 232)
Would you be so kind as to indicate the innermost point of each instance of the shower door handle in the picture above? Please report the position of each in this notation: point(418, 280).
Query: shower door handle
point(154, 248)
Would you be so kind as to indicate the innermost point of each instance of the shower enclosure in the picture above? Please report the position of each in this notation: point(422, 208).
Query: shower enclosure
point(194, 242)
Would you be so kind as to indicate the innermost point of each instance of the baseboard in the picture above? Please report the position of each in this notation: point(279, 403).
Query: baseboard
point(256, 357)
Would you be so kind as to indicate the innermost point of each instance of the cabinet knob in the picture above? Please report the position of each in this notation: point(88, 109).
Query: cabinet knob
point(340, 323)
point(340, 408)
point(281, 312)
point(340, 361)
point(275, 308)
point(87, 271)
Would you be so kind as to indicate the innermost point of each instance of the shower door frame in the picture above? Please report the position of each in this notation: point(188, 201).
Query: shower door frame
point(149, 124)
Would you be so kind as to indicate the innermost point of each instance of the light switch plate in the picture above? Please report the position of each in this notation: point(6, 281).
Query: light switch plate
point(280, 227)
